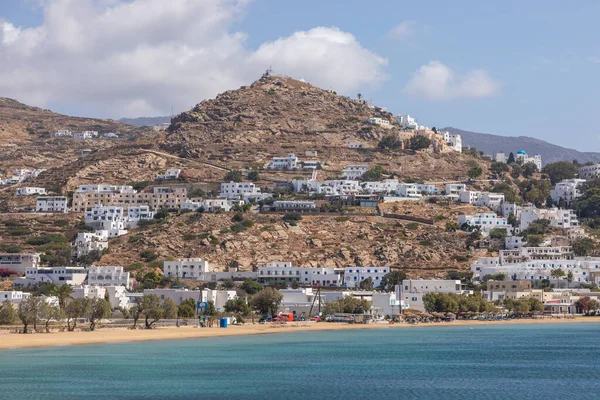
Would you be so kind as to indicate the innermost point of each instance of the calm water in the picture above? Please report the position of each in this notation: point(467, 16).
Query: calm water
point(508, 362)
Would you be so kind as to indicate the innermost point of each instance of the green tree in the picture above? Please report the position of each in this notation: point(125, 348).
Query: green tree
point(515, 170)
point(391, 279)
point(47, 313)
point(254, 176)
point(347, 305)
point(7, 313)
point(152, 309)
point(559, 171)
point(76, 309)
point(171, 309)
point(185, 311)
point(266, 301)
point(569, 278)
point(136, 313)
point(27, 312)
point(511, 158)
point(583, 246)
point(498, 234)
point(474, 172)
point(390, 142)
point(210, 309)
point(63, 293)
point(534, 240)
point(499, 168)
point(373, 174)
point(417, 142)
point(251, 287)
point(529, 169)
point(235, 175)
point(238, 306)
point(366, 284)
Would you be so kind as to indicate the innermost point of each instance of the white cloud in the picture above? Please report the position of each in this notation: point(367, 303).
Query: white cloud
point(403, 30)
point(139, 57)
point(594, 59)
point(436, 81)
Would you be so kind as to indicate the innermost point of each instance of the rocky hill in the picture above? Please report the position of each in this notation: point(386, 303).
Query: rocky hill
point(550, 153)
point(279, 115)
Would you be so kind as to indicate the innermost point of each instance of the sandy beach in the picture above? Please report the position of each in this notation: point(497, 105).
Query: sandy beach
point(16, 341)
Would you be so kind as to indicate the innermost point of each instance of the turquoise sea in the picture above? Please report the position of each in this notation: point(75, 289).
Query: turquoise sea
point(499, 362)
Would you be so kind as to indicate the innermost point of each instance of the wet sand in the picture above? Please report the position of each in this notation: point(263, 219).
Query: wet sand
point(16, 341)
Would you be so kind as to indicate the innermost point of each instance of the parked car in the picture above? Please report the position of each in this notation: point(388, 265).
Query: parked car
point(264, 319)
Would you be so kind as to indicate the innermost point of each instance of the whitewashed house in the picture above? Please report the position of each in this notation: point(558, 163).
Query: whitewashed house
point(589, 171)
point(19, 262)
point(187, 268)
point(288, 162)
point(88, 292)
point(236, 190)
point(63, 133)
point(378, 121)
point(85, 242)
point(523, 158)
point(453, 189)
point(51, 204)
point(485, 222)
point(454, 141)
point(170, 174)
point(355, 171)
point(283, 272)
point(354, 275)
point(294, 205)
point(28, 191)
point(411, 291)
point(110, 219)
point(14, 296)
point(417, 190)
point(56, 275)
point(108, 276)
point(138, 213)
point(567, 190)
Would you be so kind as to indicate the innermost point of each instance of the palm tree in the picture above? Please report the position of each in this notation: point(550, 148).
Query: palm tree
point(569, 278)
point(63, 293)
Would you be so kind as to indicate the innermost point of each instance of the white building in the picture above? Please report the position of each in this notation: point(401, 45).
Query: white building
point(56, 275)
point(584, 270)
point(558, 217)
point(523, 158)
point(14, 296)
point(85, 135)
point(484, 221)
point(288, 162)
point(411, 291)
point(501, 158)
point(218, 297)
point(109, 219)
point(51, 204)
point(63, 133)
point(567, 190)
point(138, 213)
point(354, 275)
point(589, 171)
point(93, 188)
point(356, 145)
point(108, 276)
point(28, 191)
point(387, 304)
point(301, 301)
point(19, 262)
point(406, 121)
point(294, 205)
point(118, 296)
point(85, 242)
point(384, 187)
point(236, 190)
point(211, 205)
point(417, 190)
point(378, 121)
point(453, 189)
point(513, 242)
point(88, 292)
point(482, 199)
point(454, 141)
point(170, 174)
point(352, 172)
point(187, 268)
point(111, 135)
point(523, 253)
point(284, 272)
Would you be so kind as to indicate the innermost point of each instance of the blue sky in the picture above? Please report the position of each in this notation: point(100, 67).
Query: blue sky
point(541, 58)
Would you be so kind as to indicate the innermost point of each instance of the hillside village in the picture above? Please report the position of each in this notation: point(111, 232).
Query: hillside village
point(286, 185)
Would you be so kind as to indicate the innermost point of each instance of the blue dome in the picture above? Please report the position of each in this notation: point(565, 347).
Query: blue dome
point(521, 152)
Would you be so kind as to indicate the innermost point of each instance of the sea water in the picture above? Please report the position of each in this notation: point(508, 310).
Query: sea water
point(554, 361)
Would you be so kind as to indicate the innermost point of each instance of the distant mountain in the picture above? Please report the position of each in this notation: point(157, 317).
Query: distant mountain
point(492, 144)
point(146, 121)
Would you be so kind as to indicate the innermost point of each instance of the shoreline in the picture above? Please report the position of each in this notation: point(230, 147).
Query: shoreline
point(13, 341)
